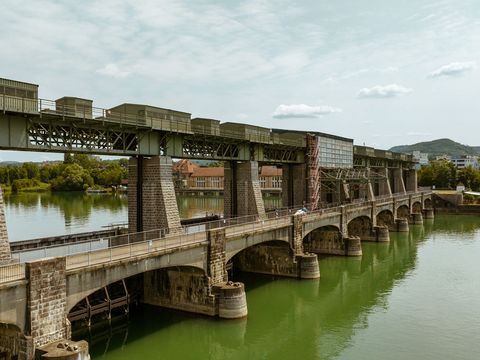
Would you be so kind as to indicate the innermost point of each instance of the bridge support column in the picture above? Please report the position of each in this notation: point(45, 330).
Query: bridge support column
point(381, 233)
point(294, 182)
point(151, 195)
point(384, 184)
point(242, 192)
point(416, 219)
point(401, 225)
point(5, 254)
point(398, 184)
point(411, 184)
point(428, 214)
point(47, 329)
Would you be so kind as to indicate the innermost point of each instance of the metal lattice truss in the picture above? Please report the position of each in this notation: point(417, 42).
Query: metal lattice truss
point(51, 136)
point(275, 153)
point(209, 148)
point(355, 174)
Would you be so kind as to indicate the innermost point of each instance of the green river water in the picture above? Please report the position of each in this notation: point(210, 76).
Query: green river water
point(417, 297)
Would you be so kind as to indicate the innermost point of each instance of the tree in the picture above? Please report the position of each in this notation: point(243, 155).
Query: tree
point(73, 178)
point(440, 173)
point(470, 177)
point(32, 170)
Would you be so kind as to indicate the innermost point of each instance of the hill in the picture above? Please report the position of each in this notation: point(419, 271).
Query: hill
point(439, 147)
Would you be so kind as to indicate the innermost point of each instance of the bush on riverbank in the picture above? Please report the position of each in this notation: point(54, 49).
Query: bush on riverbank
point(29, 185)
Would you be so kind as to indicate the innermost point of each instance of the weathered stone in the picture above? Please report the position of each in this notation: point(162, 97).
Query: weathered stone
point(242, 192)
point(46, 301)
point(428, 214)
point(186, 289)
point(417, 219)
point(402, 225)
point(232, 301)
point(5, 254)
point(159, 205)
point(381, 234)
point(353, 246)
point(64, 350)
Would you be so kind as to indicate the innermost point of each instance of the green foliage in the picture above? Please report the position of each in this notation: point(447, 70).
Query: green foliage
point(29, 185)
point(76, 173)
point(73, 178)
point(443, 174)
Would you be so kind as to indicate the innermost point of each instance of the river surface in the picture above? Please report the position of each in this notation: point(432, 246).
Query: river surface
point(417, 297)
point(36, 215)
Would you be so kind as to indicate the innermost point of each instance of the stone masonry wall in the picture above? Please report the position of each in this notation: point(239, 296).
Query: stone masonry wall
point(5, 255)
point(216, 256)
point(46, 301)
point(293, 184)
point(249, 194)
point(186, 289)
point(228, 201)
point(159, 204)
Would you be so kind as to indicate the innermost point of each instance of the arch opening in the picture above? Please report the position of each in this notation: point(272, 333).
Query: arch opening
point(361, 227)
point(385, 218)
point(417, 207)
point(10, 341)
point(325, 240)
point(427, 203)
point(403, 212)
point(271, 258)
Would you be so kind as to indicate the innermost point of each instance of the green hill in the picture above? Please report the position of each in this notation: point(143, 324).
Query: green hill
point(439, 147)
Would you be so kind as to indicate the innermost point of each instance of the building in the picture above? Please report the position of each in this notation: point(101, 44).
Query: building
point(270, 179)
point(421, 159)
point(189, 177)
point(464, 161)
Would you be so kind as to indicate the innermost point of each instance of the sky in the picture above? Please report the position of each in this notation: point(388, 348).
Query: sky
point(384, 73)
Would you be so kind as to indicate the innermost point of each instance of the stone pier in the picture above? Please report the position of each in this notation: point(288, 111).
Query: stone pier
point(5, 254)
point(151, 195)
point(294, 185)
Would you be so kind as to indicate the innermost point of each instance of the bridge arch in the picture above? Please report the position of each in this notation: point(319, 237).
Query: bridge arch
point(361, 226)
point(10, 336)
point(385, 218)
point(325, 239)
point(417, 207)
point(403, 211)
point(427, 203)
point(87, 280)
point(275, 257)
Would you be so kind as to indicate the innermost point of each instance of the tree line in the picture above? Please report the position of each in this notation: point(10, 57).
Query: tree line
point(77, 172)
point(444, 175)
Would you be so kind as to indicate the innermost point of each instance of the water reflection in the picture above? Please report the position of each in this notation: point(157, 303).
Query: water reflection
point(287, 318)
point(50, 214)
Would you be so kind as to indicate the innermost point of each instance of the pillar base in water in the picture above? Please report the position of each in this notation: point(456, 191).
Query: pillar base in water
point(308, 266)
point(401, 225)
point(353, 246)
point(382, 234)
point(428, 214)
point(232, 301)
point(64, 350)
point(417, 219)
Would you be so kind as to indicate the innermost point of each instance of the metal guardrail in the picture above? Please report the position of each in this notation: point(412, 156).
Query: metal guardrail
point(107, 250)
point(12, 272)
point(159, 121)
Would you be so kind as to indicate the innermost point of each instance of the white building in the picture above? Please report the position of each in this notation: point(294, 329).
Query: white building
point(462, 162)
point(421, 159)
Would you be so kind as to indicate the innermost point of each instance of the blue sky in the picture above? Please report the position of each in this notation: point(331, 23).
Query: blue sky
point(381, 72)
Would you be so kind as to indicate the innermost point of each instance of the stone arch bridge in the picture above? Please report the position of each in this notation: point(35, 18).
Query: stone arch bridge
point(189, 271)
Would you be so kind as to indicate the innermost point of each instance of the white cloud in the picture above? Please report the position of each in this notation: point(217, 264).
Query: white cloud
point(303, 111)
point(386, 91)
point(454, 69)
point(113, 70)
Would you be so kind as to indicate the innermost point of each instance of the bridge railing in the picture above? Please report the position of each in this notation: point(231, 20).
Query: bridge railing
point(12, 272)
point(120, 252)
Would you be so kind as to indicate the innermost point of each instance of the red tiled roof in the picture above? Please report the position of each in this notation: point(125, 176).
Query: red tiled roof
point(208, 171)
point(270, 171)
point(184, 166)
